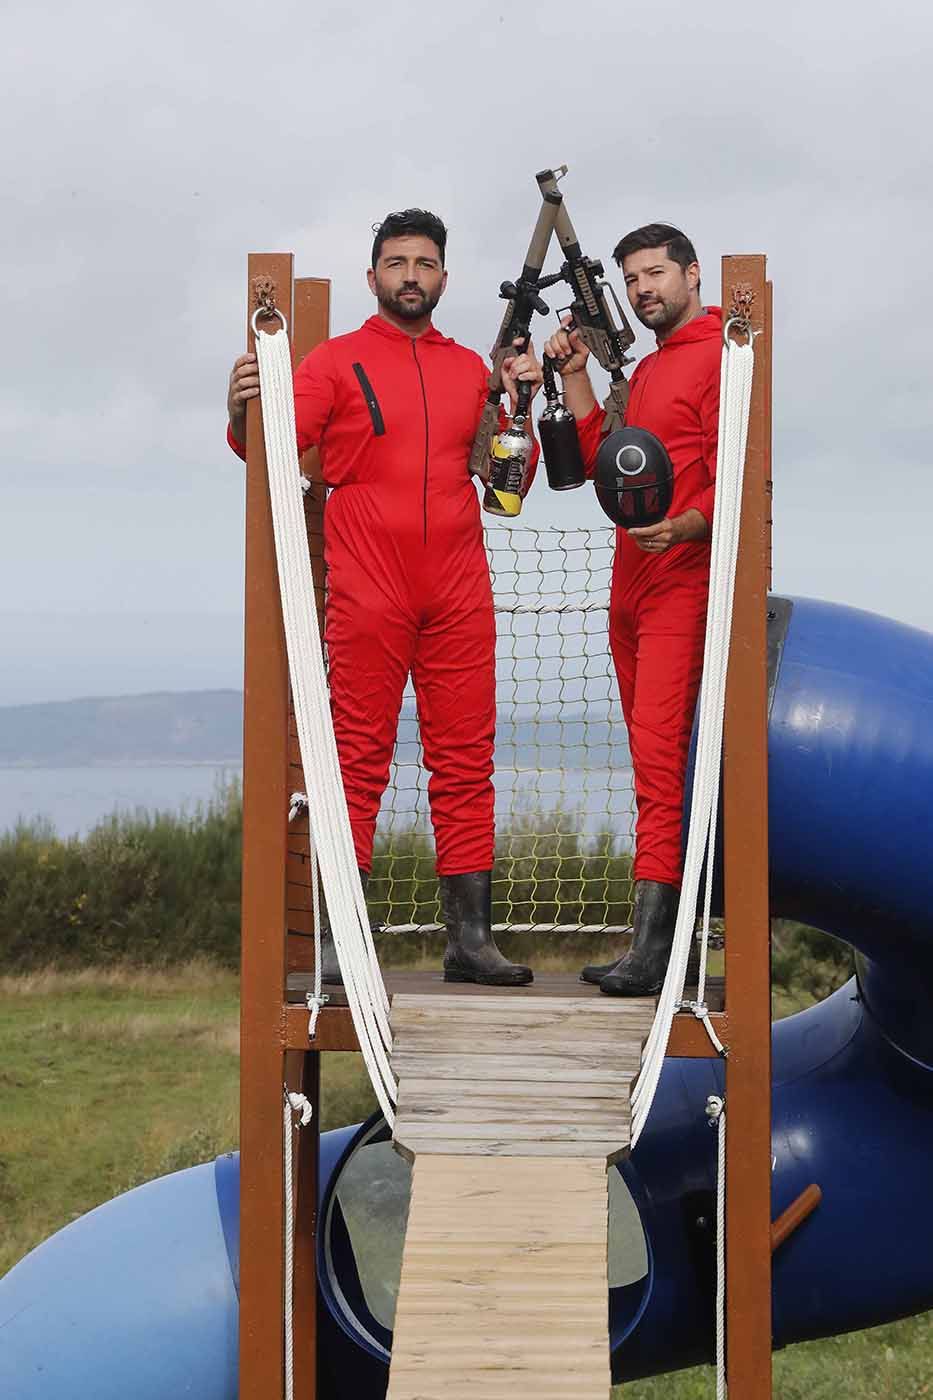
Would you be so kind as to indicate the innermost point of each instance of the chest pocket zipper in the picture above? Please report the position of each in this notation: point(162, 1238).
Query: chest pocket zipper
point(372, 403)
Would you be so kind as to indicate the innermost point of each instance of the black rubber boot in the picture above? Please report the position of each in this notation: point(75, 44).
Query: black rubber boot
point(640, 973)
point(472, 955)
point(595, 972)
point(330, 967)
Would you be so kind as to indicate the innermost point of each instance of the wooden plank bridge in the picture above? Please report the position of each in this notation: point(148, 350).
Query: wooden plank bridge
point(510, 1111)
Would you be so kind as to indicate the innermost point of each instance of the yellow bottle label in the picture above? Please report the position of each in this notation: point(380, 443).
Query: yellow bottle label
point(508, 502)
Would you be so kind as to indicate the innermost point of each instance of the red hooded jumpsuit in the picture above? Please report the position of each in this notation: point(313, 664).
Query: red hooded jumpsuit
point(657, 607)
point(408, 587)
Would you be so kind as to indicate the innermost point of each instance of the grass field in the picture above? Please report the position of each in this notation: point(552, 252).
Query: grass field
point(110, 1078)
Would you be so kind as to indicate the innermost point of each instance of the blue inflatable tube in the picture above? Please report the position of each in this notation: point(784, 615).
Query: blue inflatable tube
point(135, 1299)
point(140, 1296)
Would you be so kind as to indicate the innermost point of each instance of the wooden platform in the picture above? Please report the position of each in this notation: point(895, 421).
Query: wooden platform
point(335, 1027)
point(431, 983)
point(510, 1111)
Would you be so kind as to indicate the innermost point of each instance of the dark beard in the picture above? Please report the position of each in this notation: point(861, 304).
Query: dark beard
point(663, 316)
point(407, 310)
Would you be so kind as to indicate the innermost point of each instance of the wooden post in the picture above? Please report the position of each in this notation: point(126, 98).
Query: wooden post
point(265, 815)
point(748, 946)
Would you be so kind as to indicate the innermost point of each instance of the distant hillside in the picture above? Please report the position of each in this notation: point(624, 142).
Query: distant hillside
point(201, 726)
point(206, 726)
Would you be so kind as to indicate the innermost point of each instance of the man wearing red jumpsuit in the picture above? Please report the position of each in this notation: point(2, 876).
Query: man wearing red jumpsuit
point(393, 408)
point(660, 578)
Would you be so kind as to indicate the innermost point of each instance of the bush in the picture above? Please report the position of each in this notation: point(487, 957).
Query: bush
point(157, 889)
point(807, 964)
point(162, 889)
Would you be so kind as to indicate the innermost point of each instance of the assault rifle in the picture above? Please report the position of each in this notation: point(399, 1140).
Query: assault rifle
point(523, 301)
point(592, 313)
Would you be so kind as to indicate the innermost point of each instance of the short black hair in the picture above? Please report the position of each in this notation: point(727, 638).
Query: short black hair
point(679, 248)
point(410, 221)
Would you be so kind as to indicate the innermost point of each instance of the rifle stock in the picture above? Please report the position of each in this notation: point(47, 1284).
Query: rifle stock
point(615, 405)
point(482, 444)
point(523, 301)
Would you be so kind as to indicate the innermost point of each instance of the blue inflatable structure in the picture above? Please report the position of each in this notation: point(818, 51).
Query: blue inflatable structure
point(140, 1296)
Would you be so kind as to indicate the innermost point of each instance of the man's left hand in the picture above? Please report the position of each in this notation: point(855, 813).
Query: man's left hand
point(675, 529)
point(525, 366)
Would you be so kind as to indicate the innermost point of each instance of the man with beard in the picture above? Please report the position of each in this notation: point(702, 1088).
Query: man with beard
point(393, 409)
point(660, 578)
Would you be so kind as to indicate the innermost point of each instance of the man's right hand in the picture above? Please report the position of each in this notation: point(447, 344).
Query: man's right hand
point(244, 385)
point(566, 347)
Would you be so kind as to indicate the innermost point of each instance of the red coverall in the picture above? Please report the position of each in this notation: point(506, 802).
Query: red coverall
point(657, 606)
point(408, 587)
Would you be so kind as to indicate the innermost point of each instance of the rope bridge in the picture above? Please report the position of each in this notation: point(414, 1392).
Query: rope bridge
point(565, 806)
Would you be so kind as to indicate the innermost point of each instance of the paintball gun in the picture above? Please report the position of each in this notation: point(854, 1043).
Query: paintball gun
point(591, 312)
point(523, 301)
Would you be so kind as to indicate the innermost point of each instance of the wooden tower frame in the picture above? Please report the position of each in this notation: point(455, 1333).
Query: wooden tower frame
point(274, 1035)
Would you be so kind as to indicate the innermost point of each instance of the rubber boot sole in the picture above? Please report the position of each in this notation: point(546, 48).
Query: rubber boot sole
point(487, 979)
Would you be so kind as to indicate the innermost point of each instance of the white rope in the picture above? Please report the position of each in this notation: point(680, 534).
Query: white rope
point(330, 836)
point(315, 999)
point(735, 402)
point(289, 1250)
point(734, 407)
point(716, 1113)
point(293, 1103)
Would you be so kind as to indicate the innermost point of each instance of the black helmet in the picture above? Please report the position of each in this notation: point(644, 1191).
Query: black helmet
point(634, 477)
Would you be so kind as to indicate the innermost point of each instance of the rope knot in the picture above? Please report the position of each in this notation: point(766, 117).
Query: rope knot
point(314, 1005)
point(298, 1103)
point(715, 1108)
point(298, 802)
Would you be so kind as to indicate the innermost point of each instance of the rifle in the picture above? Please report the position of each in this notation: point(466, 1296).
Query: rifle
point(592, 315)
point(523, 301)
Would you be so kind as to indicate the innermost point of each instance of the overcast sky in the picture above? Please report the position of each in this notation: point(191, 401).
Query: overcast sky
point(149, 148)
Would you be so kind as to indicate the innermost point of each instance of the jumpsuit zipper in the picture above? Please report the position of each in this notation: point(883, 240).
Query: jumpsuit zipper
point(372, 403)
point(424, 401)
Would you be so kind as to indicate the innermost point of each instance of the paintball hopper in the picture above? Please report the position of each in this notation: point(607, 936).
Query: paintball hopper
point(634, 478)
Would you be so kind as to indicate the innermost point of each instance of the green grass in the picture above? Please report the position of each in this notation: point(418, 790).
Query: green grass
point(111, 1077)
point(883, 1363)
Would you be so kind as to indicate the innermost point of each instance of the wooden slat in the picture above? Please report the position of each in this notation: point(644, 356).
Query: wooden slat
point(504, 1281)
point(503, 1068)
point(507, 1147)
point(550, 1088)
point(537, 1128)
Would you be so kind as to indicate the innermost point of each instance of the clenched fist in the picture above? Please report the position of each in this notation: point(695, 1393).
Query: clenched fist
point(567, 349)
